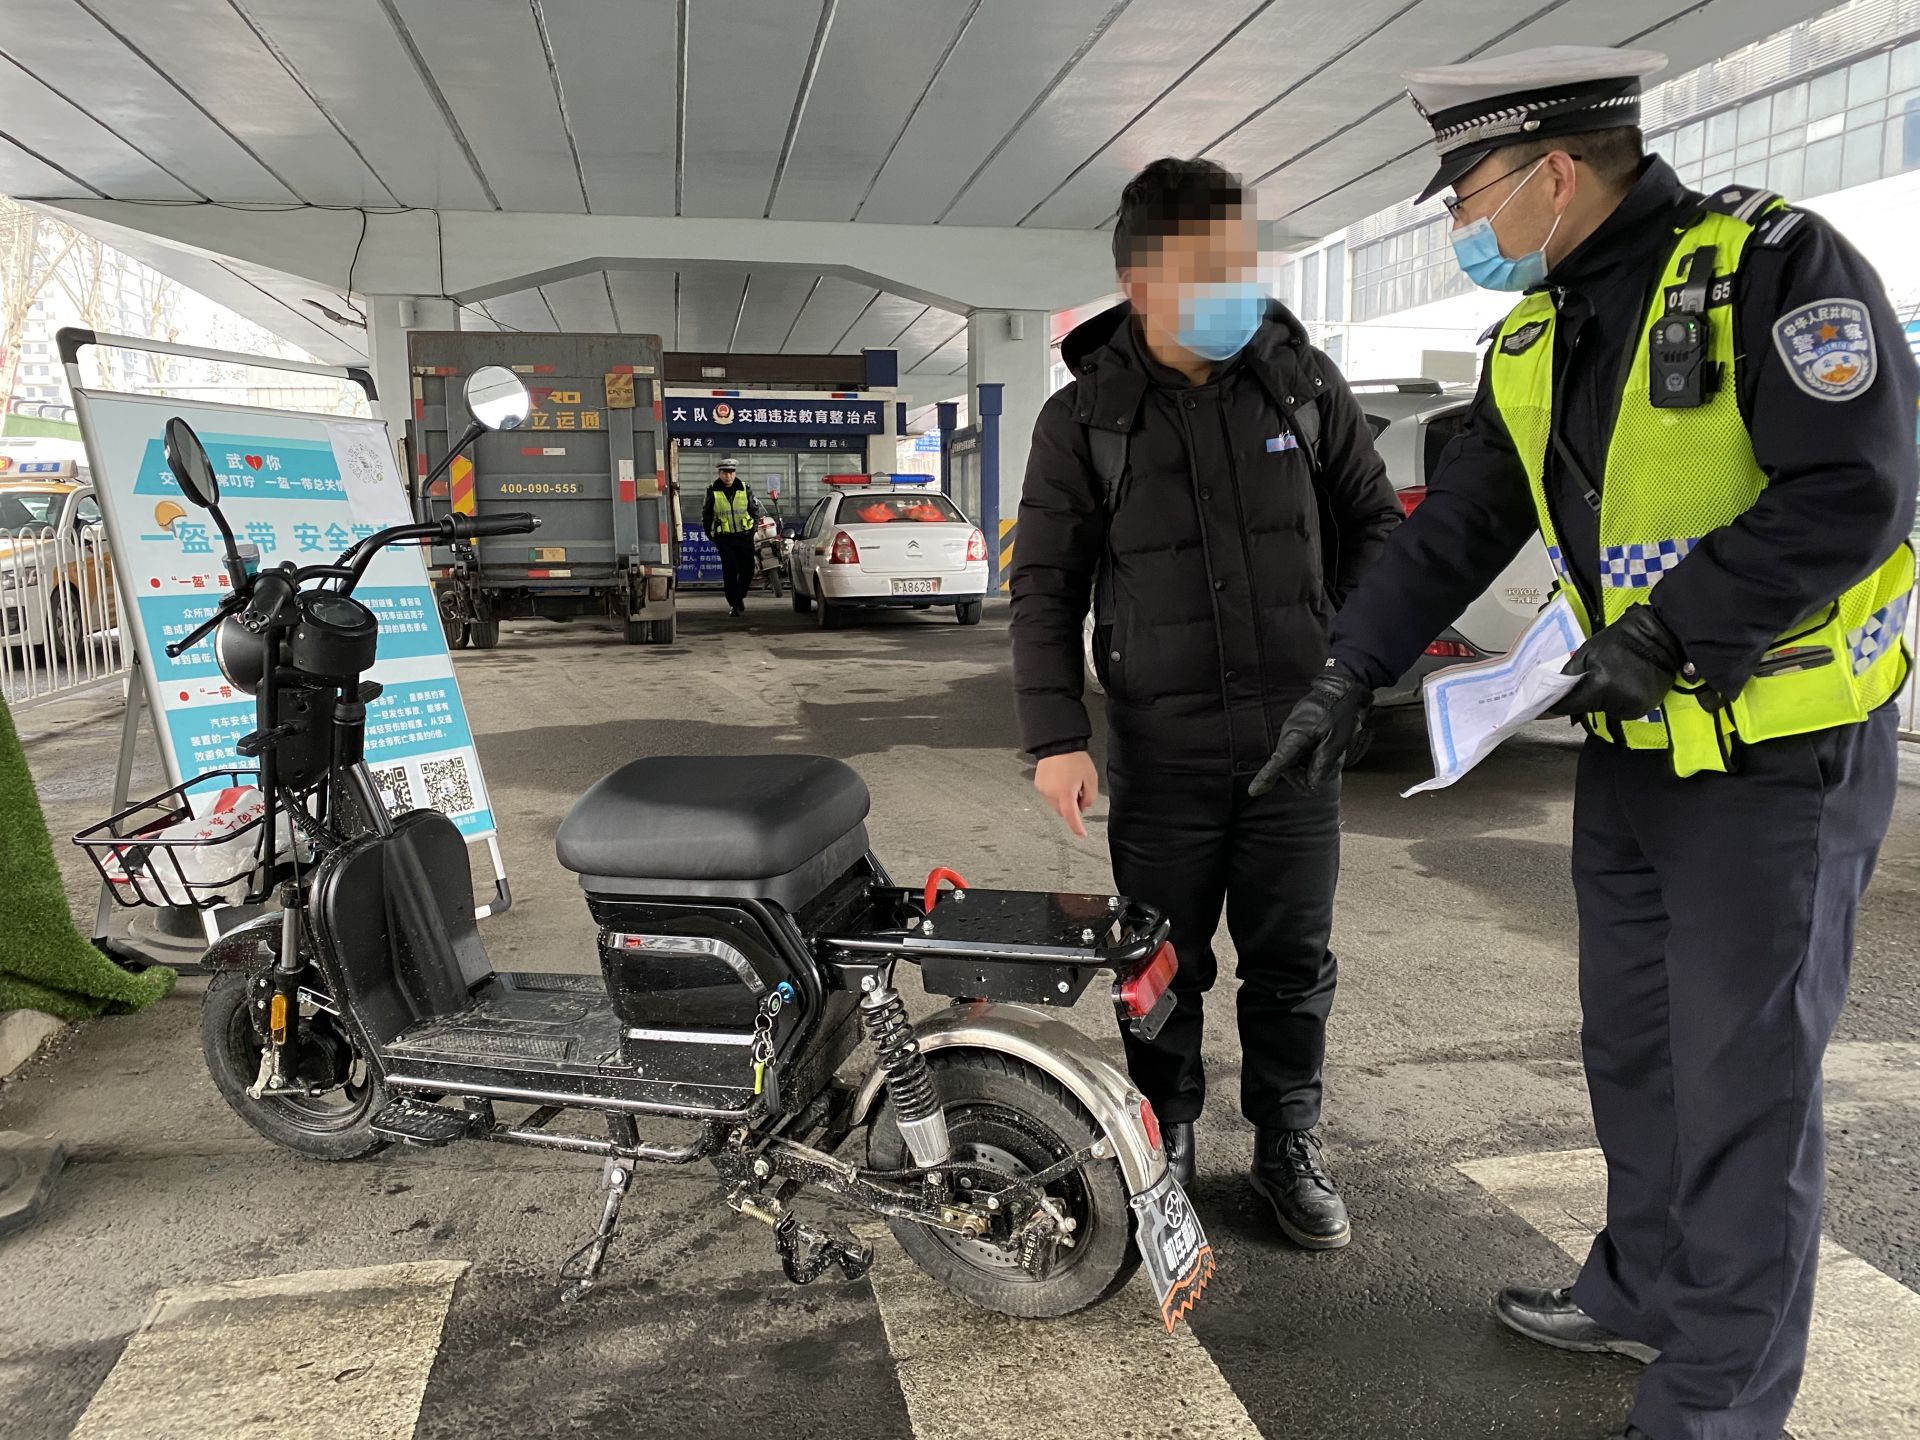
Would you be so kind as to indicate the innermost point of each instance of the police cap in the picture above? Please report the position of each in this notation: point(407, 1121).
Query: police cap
point(1540, 94)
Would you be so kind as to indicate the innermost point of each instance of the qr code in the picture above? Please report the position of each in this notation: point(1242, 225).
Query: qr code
point(396, 788)
point(448, 784)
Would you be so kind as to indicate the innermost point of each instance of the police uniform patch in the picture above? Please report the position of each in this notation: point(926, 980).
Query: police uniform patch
point(1828, 348)
point(1522, 340)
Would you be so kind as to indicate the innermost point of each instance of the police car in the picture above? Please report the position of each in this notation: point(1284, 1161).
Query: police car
point(56, 583)
point(880, 543)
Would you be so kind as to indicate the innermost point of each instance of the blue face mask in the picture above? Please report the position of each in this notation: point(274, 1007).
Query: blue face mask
point(1477, 249)
point(1217, 321)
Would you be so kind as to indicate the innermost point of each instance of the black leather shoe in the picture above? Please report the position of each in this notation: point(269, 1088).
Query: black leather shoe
point(1551, 1317)
point(1176, 1137)
point(1288, 1171)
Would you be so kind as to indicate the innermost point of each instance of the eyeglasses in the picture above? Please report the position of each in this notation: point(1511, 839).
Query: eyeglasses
point(1455, 203)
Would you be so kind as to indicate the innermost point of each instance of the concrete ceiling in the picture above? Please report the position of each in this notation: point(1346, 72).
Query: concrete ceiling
point(1009, 116)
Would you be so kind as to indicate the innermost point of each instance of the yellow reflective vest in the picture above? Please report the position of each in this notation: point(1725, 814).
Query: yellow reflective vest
point(730, 513)
point(1673, 476)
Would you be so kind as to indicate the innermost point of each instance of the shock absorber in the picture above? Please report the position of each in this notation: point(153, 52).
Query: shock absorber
point(915, 1098)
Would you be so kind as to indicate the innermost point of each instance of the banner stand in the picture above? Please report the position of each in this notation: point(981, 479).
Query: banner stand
point(178, 936)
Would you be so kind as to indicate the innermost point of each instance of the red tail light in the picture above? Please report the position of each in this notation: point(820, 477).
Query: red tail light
point(1150, 1122)
point(845, 552)
point(1411, 497)
point(1451, 650)
point(1141, 991)
point(976, 547)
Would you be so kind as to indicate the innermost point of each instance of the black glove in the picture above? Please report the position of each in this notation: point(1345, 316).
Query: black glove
point(1318, 733)
point(1625, 670)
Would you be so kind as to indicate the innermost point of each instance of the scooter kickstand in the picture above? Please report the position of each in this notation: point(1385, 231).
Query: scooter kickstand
point(617, 1178)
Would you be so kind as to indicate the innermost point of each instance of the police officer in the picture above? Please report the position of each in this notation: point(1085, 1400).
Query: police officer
point(1705, 406)
point(729, 515)
point(1208, 487)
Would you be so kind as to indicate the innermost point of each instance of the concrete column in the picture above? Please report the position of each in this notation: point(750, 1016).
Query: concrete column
point(883, 450)
point(389, 318)
point(1009, 348)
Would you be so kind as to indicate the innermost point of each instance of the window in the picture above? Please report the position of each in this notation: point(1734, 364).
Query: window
point(928, 509)
point(1336, 281)
point(1790, 108)
point(1867, 79)
point(1721, 130)
point(1755, 119)
point(1905, 71)
point(817, 517)
point(1823, 168)
point(1310, 287)
point(1828, 95)
point(1687, 142)
point(1861, 162)
point(87, 512)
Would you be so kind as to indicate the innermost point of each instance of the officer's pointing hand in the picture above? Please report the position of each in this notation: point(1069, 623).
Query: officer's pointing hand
point(1625, 670)
point(1318, 732)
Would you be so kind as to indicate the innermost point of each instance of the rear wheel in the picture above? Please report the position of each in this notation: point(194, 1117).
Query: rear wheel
point(1008, 1117)
point(484, 633)
point(333, 1125)
point(970, 611)
point(662, 631)
point(457, 633)
point(639, 632)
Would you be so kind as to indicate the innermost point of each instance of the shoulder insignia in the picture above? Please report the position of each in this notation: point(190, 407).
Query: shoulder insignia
point(1828, 348)
point(1523, 339)
point(1740, 201)
point(1773, 231)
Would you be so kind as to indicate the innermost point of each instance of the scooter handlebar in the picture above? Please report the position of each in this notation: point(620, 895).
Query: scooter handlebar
point(473, 527)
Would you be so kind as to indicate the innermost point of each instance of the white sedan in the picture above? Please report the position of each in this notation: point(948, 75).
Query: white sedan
point(880, 547)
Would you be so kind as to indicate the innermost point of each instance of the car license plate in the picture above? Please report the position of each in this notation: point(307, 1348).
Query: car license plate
point(1178, 1258)
point(916, 587)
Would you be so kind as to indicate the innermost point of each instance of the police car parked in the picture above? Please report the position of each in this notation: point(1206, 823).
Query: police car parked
point(874, 543)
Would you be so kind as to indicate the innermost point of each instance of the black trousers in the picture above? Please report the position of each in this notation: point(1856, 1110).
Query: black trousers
point(1716, 933)
point(1192, 844)
point(736, 567)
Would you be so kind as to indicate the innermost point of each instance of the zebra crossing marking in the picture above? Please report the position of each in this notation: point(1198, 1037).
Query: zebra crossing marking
point(969, 1374)
point(1861, 1382)
point(320, 1355)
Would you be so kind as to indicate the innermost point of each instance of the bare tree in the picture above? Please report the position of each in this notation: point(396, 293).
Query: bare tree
point(32, 249)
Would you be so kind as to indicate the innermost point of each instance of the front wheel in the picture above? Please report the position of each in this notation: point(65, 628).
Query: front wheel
point(802, 601)
point(1006, 1116)
point(334, 1125)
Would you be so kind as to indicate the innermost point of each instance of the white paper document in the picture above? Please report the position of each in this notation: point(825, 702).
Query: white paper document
point(1472, 708)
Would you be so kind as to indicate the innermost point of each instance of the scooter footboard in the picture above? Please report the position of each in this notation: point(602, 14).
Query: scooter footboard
point(1056, 1049)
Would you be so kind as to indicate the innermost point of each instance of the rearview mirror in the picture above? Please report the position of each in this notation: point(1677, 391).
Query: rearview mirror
point(192, 471)
point(496, 398)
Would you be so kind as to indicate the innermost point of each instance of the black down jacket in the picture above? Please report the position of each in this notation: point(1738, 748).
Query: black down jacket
point(1228, 554)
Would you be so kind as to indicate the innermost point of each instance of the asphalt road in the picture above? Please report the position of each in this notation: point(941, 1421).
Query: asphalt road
point(1453, 1044)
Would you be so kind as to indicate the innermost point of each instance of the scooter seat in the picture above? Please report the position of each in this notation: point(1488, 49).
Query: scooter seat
point(715, 824)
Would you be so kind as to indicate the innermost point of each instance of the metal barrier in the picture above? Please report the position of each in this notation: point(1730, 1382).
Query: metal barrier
point(59, 617)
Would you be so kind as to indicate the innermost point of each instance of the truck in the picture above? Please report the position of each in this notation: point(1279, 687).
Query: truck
point(589, 462)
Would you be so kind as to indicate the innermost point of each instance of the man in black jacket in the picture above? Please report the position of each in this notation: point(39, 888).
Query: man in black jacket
point(1209, 487)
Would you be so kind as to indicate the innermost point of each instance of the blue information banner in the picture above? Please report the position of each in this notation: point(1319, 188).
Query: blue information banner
point(298, 488)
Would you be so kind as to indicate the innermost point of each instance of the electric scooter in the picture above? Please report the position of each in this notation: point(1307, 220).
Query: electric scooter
point(748, 947)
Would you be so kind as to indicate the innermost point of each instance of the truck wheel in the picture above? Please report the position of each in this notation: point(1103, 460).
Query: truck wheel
point(484, 633)
point(639, 631)
point(802, 602)
point(458, 636)
point(970, 611)
point(661, 632)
